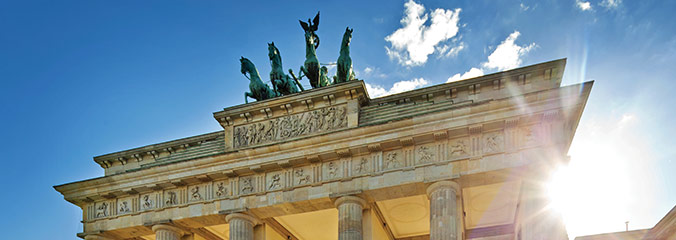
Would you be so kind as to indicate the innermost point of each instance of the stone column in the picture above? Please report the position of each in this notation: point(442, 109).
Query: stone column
point(241, 226)
point(443, 210)
point(350, 217)
point(96, 237)
point(167, 232)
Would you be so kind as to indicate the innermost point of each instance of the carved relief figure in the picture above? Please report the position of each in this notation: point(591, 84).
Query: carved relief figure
point(220, 189)
point(171, 198)
point(124, 207)
point(290, 126)
point(195, 193)
point(529, 136)
point(424, 154)
point(102, 210)
point(274, 183)
point(147, 203)
point(493, 143)
point(361, 167)
point(302, 177)
point(458, 149)
point(391, 160)
point(247, 185)
point(332, 170)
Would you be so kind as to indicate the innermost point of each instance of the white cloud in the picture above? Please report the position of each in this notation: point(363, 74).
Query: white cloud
point(584, 6)
point(610, 3)
point(372, 72)
point(448, 51)
point(401, 86)
point(474, 72)
point(507, 55)
point(524, 7)
point(416, 40)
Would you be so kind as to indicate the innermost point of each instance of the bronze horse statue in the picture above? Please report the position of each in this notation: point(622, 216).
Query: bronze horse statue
point(281, 82)
point(345, 72)
point(259, 90)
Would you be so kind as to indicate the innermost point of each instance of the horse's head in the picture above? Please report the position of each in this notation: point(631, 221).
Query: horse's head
point(311, 39)
point(272, 50)
point(245, 65)
point(347, 37)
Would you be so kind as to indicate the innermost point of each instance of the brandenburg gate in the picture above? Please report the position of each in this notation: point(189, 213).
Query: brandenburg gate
point(461, 160)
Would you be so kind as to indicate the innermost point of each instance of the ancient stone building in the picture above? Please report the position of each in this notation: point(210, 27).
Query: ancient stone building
point(461, 160)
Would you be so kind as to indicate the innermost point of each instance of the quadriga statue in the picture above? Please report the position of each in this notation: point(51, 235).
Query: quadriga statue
point(259, 90)
point(344, 72)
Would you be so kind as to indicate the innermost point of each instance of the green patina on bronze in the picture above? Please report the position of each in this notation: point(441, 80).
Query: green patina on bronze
point(344, 72)
point(311, 66)
point(281, 83)
point(259, 90)
point(324, 75)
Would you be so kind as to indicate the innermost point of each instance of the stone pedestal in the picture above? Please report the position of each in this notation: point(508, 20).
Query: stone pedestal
point(241, 226)
point(167, 232)
point(350, 217)
point(443, 210)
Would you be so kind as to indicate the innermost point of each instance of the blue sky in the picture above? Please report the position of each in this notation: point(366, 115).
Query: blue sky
point(85, 78)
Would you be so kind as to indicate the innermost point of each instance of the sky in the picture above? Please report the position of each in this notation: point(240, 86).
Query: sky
point(82, 78)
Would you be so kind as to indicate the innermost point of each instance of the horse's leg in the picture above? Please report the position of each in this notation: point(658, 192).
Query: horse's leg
point(305, 71)
point(247, 94)
point(274, 86)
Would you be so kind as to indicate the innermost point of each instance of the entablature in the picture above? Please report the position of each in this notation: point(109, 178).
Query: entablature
point(463, 133)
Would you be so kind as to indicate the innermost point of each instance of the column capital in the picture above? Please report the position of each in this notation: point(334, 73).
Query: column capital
point(350, 199)
point(242, 216)
point(442, 184)
point(167, 227)
point(96, 237)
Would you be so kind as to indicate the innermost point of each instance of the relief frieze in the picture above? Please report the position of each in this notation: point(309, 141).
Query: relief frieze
point(458, 148)
point(196, 193)
point(124, 206)
point(102, 210)
point(274, 181)
point(424, 154)
point(360, 165)
point(220, 190)
point(246, 185)
point(304, 175)
point(171, 198)
point(333, 170)
point(493, 142)
point(147, 202)
point(393, 160)
point(286, 127)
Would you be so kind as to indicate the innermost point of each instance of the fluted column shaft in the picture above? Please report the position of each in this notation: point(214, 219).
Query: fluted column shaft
point(167, 232)
point(443, 210)
point(350, 218)
point(241, 226)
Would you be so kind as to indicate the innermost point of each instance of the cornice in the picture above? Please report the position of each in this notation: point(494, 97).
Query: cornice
point(137, 154)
